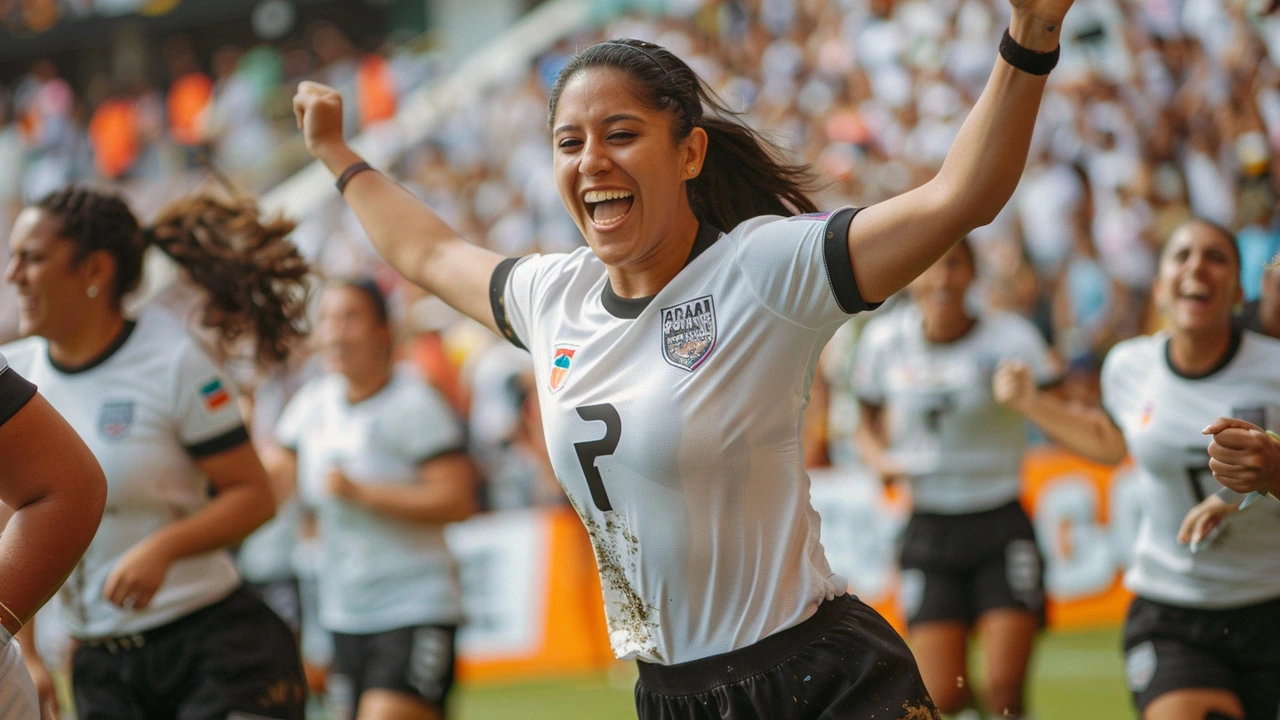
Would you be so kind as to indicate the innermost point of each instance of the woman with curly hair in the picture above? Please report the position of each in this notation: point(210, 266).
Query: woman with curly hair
point(164, 628)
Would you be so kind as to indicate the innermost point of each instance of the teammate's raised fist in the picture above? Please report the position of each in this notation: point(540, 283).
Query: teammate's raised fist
point(1013, 385)
point(318, 109)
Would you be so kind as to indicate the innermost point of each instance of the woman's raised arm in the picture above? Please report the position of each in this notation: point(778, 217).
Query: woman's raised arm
point(892, 242)
point(405, 232)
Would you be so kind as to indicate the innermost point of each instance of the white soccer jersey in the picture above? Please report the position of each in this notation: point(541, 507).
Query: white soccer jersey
point(148, 407)
point(18, 699)
point(1162, 414)
point(673, 424)
point(962, 449)
point(380, 572)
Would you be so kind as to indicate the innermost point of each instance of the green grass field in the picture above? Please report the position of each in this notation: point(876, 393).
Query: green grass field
point(1077, 675)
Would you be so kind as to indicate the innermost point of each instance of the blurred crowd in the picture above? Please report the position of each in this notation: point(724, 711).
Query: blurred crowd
point(1159, 110)
point(130, 125)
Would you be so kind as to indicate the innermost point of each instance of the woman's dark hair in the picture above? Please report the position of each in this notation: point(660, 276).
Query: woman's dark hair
point(743, 175)
point(370, 290)
point(255, 278)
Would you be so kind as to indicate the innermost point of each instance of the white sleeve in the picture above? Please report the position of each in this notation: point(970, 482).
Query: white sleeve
point(868, 362)
point(428, 427)
point(515, 288)
point(1116, 382)
point(206, 411)
point(293, 419)
point(799, 267)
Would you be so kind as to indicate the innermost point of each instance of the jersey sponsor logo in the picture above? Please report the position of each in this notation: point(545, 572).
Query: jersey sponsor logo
point(689, 332)
point(812, 216)
point(115, 419)
point(1148, 411)
point(213, 396)
point(561, 362)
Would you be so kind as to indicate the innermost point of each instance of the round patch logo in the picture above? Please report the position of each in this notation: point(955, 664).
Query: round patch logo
point(1140, 666)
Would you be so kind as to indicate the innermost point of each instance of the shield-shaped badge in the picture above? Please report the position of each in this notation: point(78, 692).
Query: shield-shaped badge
point(115, 419)
point(689, 332)
point(561, 362)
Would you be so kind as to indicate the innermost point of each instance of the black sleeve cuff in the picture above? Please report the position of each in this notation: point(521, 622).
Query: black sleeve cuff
point(498, 300)
point(15, 392)
point(221, 443)
point(835, 254)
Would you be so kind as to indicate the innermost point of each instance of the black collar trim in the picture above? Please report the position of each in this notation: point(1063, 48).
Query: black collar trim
point(630, 308)
point(102, 357)
point(1232, 349)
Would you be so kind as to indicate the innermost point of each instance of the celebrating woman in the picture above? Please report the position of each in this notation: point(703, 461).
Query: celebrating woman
point(969, 555)
point(164, 628)
point(674, 354)
point(1200, 639)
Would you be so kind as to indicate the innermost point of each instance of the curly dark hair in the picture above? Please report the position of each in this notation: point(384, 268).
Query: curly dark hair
point(254, 277)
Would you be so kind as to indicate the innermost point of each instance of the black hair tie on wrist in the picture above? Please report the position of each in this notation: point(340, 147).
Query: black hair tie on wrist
point(1025, 59)
point(349, 173)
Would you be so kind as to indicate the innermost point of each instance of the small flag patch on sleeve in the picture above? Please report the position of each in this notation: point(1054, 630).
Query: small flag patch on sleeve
point(213, 395)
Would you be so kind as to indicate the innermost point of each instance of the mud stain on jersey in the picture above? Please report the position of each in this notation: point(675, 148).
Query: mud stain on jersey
point(627, 612)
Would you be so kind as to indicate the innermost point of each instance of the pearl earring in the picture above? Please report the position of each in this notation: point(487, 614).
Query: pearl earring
point(92, 292)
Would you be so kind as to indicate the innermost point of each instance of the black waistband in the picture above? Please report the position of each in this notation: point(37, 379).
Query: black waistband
point(697, 676)
point(139, 639)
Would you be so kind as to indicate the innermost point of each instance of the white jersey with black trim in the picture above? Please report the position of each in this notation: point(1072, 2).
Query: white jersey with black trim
point(380, 572)
point(148, 408)
point(673, 424)
point(1161, 414)
point(961, 449)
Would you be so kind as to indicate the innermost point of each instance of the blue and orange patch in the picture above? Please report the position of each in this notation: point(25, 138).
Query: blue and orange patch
point(214, 396)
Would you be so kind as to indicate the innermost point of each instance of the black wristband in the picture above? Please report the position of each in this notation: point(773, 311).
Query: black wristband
point(1026, 60)
point(349, 173)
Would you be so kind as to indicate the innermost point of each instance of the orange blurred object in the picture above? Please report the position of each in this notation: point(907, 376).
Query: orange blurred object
point(188, 102)
point(113, 132)
point(375, 90)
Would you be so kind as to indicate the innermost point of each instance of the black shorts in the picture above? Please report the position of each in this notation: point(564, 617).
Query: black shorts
point(844, 662)
point(1171, 648)
point(284, 597)
point(233, 659)
point(417, 661)
point(957, 567)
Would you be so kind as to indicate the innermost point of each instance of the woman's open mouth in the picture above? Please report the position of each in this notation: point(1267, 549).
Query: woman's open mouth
point(608, 208)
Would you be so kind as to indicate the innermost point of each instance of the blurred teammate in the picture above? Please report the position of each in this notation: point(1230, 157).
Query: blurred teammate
point(379, 456)
point(56, 491)
point(164, 628)
point(1242, 456)
point(969, 555)
point(674, 355)
point(1201, 637)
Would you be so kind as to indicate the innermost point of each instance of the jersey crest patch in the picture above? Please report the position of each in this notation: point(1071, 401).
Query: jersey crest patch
point(561, 362)
point(689, 332)
point(115, 419)
point(213, 396)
